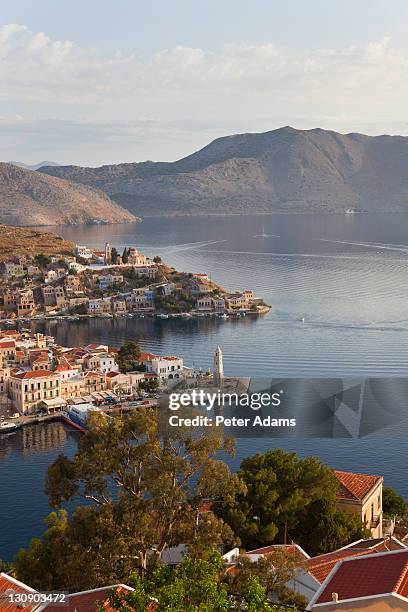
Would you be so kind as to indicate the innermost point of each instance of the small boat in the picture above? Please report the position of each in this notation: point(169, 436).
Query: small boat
point(262, 235)
point(6, 427)
point(224, 316)
point(302, 320)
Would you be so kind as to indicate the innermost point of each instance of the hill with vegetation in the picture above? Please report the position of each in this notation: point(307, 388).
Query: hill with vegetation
point(17, 241)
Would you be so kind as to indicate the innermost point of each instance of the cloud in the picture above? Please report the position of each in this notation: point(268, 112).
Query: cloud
point(170, 94)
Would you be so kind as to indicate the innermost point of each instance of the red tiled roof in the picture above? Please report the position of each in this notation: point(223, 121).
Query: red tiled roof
point(8, 585)
point(360, 577)
point(33, 374)
point(148, 356)
point(321, 566)
point(86, 600)
point(9, 332)
point(7, 344)
point(378, 544)
point(355, 487)
point(291, 549)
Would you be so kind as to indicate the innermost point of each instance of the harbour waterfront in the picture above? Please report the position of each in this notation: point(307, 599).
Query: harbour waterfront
point(339, 292)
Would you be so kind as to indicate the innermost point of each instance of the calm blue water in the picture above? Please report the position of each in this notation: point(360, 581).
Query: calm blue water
point(346, 275)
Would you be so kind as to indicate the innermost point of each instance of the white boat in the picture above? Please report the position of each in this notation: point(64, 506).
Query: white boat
point(262, 235)
point(78, 415)
point(6, 427)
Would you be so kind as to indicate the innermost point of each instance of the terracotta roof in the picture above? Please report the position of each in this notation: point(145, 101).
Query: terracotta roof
point(148, 356)
point(291, 549)
point(7, 344)
point(378, 544)
point(33, 374)
point(355, 487)
point(8, 585)
point(368, 576)
point(321, 566)
point(86, 601)
point(62, 368)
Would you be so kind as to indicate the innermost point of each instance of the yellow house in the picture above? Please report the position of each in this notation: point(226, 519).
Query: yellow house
point(29, 389)
point(373, 583)
point(361, 494)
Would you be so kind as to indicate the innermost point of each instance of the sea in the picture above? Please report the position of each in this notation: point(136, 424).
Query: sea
point(338, 287)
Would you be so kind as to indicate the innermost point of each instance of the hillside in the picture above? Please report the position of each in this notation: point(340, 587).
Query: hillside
point(285, 170)
point(30, 198)
point(21, 241)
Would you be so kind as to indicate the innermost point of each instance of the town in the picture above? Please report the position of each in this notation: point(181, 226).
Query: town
point(92, 283)
point(38, 376)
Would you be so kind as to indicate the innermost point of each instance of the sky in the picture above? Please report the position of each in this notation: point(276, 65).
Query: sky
point(92, 82)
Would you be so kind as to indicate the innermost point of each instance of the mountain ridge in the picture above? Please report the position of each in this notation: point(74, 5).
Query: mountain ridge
point(283, 170)
point(30, 198)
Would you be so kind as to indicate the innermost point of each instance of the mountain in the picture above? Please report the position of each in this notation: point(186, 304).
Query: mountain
point(31, 198)
point(22, 241)
point(33, 166)
point(286, 170)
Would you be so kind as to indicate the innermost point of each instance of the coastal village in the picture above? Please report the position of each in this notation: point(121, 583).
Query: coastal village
point(41, 380)
point(92, 283)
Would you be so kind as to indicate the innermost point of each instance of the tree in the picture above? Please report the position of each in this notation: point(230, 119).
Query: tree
point(143, 488)
point(149, 384)
point(157, 259)
point(42, 260)
point(323, 528)
point(273, 571)
point(393, 504)
point(128, 356)
point(197, 584)
point(5, 566)
point(125, 255)
point(114, 255)
point(80, 309)
point(281, 489)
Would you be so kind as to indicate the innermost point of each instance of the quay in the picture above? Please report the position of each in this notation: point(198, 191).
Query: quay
point(119, 409)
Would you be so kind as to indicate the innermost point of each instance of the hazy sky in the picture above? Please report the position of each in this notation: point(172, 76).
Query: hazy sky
point(103, 81)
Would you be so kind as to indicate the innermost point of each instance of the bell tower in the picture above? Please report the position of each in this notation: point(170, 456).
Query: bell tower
point(108, 253)
point(218, 371)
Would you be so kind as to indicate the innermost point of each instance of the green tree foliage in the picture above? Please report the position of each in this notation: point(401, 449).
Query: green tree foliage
point(273, 572)
point(125, 255)
point(128, 356)
point(324, 528)
point(143, 491)
point(5, 566)
point(195, 585)
point(114, 255)
point(393, 504)
point(283, 493)
point(42, 260)
point(149, 385)
point(157, 259)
